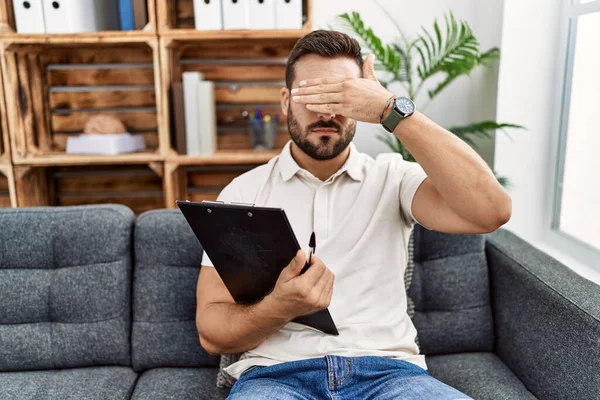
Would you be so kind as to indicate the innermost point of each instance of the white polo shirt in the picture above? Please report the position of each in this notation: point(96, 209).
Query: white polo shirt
point(362, 219)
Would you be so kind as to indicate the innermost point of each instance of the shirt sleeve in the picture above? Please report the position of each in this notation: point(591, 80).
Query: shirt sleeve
point(230, 193)
point(411, 177)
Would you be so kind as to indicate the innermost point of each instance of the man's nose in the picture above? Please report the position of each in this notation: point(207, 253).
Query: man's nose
point(325, 117)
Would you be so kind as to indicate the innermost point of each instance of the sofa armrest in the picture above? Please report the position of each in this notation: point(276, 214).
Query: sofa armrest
point(547, 320)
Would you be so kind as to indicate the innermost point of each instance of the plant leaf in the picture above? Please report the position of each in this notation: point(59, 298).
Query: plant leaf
point(385, 54)
point(457, 55)
point(482, 129)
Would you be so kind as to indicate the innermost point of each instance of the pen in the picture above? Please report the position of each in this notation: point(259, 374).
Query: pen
point(313, 247)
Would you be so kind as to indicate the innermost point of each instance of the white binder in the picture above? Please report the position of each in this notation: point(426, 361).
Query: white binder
point(207, 14)
point(190, 102)
point(29, 16)
point(236, 14)
point(288, 14)
point(207, 118)
point(262, 14)
point(73, 16)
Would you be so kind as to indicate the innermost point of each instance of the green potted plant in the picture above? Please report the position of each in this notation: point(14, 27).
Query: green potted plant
point(451, 53)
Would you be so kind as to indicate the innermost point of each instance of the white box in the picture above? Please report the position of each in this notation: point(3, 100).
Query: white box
point(235, 14)
point(207, 14)
point(105, 143)
point(29, 16)
point(73, 16)
point(288, 14)
point(262, 14)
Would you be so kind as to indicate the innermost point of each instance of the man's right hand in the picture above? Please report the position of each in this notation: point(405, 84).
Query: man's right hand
point(295, 295)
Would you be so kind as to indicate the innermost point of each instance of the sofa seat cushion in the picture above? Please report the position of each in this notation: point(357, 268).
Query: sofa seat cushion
point(179, 384)
point(101, 383)
point(479, 375)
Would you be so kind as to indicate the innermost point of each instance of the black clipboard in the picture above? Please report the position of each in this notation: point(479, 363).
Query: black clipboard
point(249, 247)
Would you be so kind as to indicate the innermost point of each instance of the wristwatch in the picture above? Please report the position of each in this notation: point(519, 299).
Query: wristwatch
point(403, 108)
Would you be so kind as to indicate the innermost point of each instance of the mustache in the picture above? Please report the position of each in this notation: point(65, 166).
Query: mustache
point(325, 124)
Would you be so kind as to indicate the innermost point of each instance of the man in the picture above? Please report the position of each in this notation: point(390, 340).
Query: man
point(361, 211)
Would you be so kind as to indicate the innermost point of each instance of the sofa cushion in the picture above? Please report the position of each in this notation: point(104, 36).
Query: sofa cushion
point(179, 384)
point(450, 290)
point(167, 265)
point(480, 375)
point(101, 383)
point(65, 286)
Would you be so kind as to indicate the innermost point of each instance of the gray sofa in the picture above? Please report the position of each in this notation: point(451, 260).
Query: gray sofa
point(98, 304)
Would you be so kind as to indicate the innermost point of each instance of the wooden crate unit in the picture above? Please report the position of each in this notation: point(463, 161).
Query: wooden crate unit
point(179, 14)
point(54, 82)
point(8, 26)
point(201, 182)
point(248, 73)
point(56, 88)
point(137, 186)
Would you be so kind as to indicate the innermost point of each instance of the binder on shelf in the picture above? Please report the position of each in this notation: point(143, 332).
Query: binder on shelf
point(236, 14)
point(288, 14)
point(126, 15)
point(178, 119)
point(29, 16)
point(208, 15)
point(200, 115)
point(73, 16)
point(190, 102)
point(262, 14)
point(207, 122)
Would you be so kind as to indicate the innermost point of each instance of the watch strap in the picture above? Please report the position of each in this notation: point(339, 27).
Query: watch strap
point(392, 120)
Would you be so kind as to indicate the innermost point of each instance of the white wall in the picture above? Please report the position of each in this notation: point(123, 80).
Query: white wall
point(467, 99)
point(527, 93)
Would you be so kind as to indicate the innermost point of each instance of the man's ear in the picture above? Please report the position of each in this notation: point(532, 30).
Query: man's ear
point(285, 100)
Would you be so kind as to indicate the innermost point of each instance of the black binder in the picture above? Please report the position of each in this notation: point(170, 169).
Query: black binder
point(249, 247)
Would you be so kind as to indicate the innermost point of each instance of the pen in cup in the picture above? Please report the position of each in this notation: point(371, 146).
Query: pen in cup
point(313, 247)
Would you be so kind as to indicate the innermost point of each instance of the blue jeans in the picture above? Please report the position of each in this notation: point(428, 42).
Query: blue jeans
point(336, 377)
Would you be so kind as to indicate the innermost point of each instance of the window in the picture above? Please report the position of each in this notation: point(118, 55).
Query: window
point(577, 199)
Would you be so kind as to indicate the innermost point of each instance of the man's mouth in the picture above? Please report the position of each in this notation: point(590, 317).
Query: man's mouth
point(324, 131)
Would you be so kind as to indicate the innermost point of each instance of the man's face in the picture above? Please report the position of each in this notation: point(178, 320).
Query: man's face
point(316, 134)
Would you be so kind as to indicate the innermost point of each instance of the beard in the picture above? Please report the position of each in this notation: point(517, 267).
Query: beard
point(328, 147)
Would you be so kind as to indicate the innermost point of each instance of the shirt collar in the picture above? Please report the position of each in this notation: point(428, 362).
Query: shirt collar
point(288, 166)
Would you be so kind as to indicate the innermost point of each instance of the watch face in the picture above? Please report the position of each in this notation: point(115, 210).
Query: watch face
point(405, 105)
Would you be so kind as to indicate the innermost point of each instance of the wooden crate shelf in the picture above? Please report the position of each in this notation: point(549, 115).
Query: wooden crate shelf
point(54, 90)
point(248, 73)
point(8, 26)
point(13, 40)
point(198, 182)
point(77, 159)
point(136, 186)
point(178, 15)
point(192, 35)
point(225, 157)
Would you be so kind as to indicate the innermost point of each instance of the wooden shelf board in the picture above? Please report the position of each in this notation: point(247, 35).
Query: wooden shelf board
point(227, 157)
point(101, 37)
point(191, 35)
point(84, 159)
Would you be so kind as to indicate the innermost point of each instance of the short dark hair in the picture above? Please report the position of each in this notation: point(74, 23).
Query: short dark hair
point(324, 43)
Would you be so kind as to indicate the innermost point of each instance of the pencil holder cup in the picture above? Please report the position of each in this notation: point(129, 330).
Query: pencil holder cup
point(262, 133)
